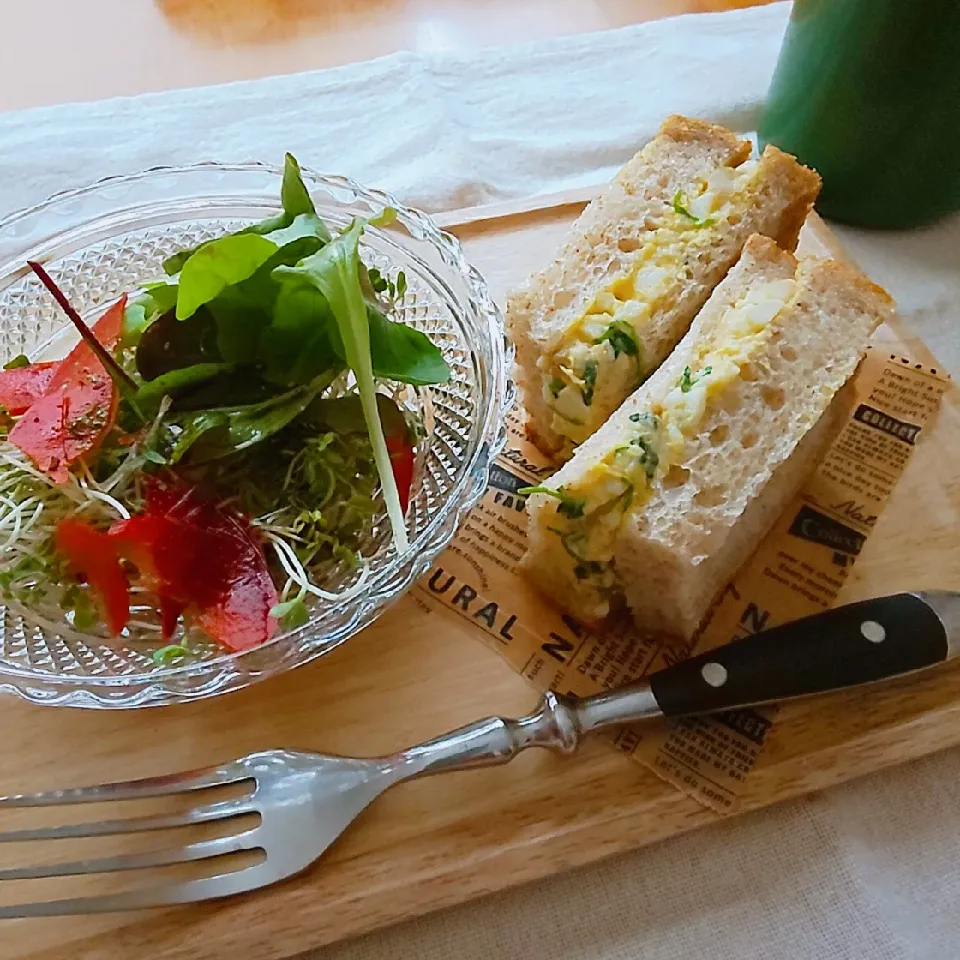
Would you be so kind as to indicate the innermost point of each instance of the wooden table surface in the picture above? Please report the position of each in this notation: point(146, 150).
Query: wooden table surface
point(64, 50)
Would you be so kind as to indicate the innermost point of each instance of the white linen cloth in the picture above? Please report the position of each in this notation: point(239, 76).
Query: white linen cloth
point(869, 870)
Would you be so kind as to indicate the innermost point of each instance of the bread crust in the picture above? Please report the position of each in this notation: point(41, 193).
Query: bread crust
point(800, 185)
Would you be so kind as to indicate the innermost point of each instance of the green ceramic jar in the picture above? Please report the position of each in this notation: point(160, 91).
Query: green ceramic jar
point(868, 93)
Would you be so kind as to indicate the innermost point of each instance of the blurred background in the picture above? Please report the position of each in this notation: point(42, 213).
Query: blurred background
point(103, 48)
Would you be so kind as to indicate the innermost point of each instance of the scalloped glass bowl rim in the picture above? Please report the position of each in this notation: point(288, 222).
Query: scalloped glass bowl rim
point(490, 440)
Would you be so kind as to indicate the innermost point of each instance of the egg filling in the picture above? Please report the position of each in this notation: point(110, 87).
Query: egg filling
point(600, 360)
point(589, 512)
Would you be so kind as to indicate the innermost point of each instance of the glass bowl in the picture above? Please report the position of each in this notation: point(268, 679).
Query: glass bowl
point(110, 238)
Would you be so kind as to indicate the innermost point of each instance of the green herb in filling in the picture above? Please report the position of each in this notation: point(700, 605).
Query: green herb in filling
point(680, 206)
point(574, 542)
point(589, 381)
point(591, 568)
point(688, 379)
point(622, 337)
point(570, 507)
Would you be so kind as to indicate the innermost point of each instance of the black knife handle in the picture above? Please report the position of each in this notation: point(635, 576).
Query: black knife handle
point(850, 645)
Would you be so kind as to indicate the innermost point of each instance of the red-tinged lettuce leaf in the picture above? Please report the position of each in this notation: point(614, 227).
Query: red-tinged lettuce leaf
point(169, 344)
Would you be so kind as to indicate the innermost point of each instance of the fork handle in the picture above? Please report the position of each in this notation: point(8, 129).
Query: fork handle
point(497, 740)
point(848, 646)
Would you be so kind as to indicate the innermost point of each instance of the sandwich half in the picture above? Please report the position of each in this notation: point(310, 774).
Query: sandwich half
point(637, 266)
point(660, 507)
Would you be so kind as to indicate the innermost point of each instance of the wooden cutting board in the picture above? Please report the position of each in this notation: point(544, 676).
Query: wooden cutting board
point(413, 675)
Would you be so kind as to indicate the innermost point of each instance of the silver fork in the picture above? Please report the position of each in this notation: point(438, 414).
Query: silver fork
point(307, 800)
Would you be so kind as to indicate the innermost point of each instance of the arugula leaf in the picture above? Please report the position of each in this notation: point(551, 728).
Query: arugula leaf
point(175, 381)
point(304, 339)
point(404, 354)
point(225, 430)
point(335, 271)
point(218, 265)
point(20, 360)
point(680, 206)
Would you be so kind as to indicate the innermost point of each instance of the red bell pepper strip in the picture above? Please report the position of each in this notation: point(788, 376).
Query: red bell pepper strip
point(93, 555)
point(401, 460)
point(203, 559)
point(238, 612)
point(170, 611)
point(23, 386)
point(146, 541)
point(397, 436)
point(78, 408)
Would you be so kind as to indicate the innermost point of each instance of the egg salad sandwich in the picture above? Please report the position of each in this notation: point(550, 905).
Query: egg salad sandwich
point(637, 266)
point(659, 508)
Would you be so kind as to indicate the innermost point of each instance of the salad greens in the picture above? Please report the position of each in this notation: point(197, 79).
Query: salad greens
point(211, 434)
point(248, 396)
point(220, 264)
point(334, 272)
point(289, 305)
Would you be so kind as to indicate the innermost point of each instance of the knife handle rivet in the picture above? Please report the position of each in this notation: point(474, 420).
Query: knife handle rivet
point(714, 673)
point(873, 631)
